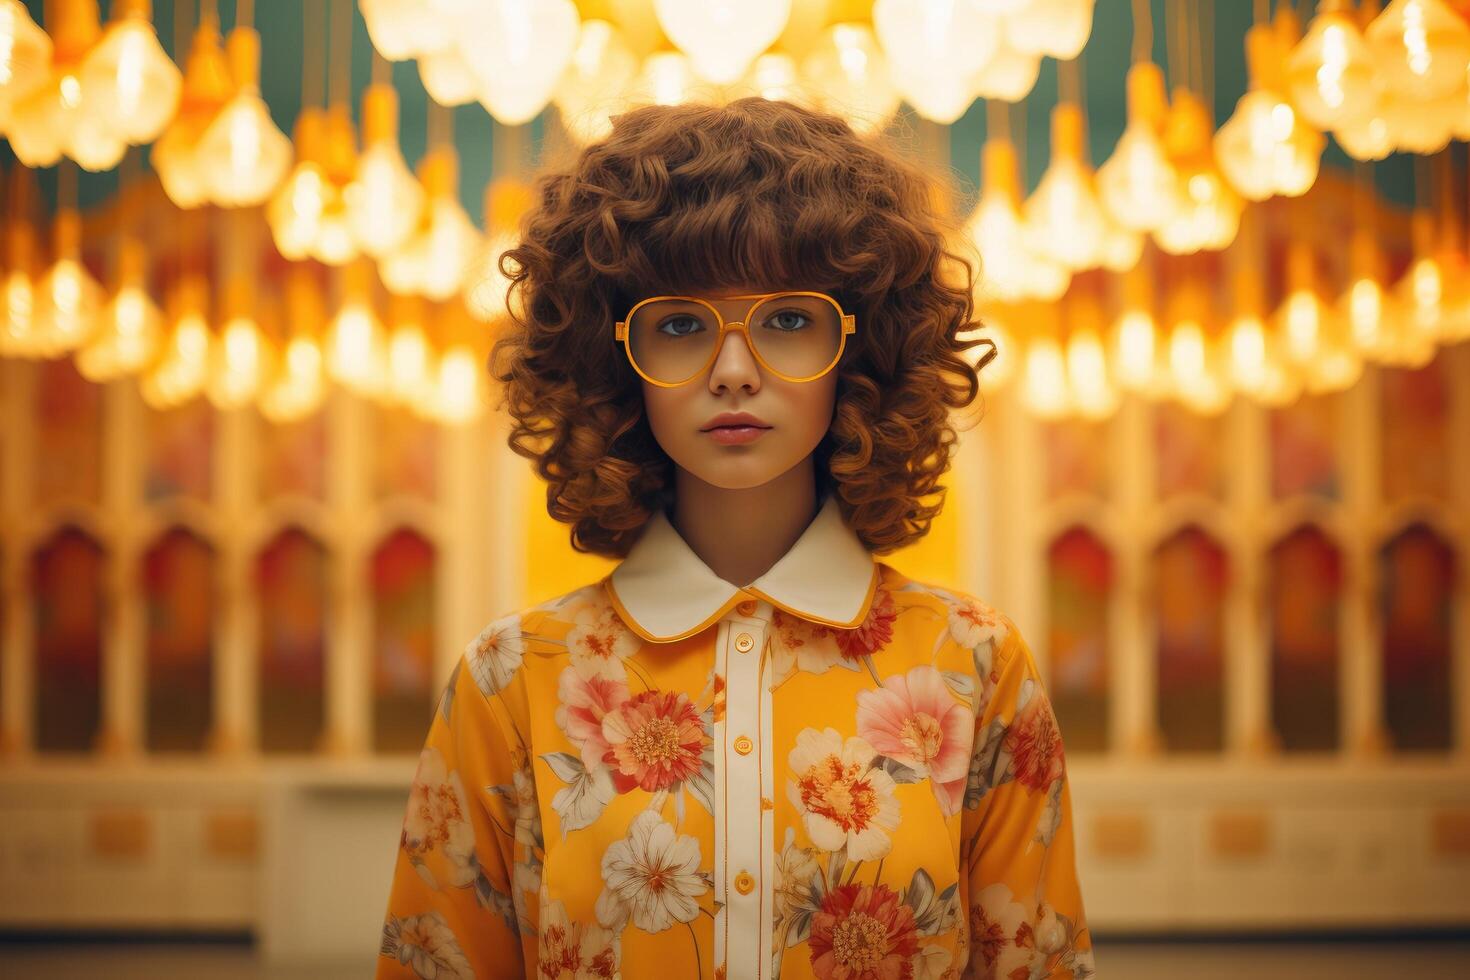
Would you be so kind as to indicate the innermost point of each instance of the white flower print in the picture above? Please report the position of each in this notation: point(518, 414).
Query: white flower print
point(932, 963)
point(427, 944)
point(799, 644)
point(651, 875)
point(841, 797)
point(795, 867)
point(1000, 934)
point(972, 622)
point(438, 819)
point(495, 655)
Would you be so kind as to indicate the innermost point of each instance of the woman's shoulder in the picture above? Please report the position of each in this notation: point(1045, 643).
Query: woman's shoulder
point(970, 618)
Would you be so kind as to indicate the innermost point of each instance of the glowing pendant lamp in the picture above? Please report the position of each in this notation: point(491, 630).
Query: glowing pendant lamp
point(1094, 395)
point(1134, 349)
point(1050, 28)
point(130, 327)
point(402, 29)
point(1137, 184)
point(243, 156)
point(384, 200)
point(1010, 270)
point(722, 37)
point(17, 289)
point(1422, 47)
point(1420, 293)
point(182, 369)
point(68, 297)
point(1064, 220)
point(1364, 305)
point(1266, 147)
point(848, 70)
point(295, 210)
point(1209, 212)
point(459, 377)
point(207, 87)
point(298, 387)
point(127, 79)
point(335, 243)
point(242, 357)
point(411, 367)
point(25, 57)
point(485, 293)
point(602, 64)
point(1330, 73)
point(934, 51)
point(519, 50)
point(356, 354)
point(433, 262)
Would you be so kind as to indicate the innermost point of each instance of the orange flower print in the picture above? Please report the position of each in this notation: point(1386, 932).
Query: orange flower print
point(863, 932)
point(438, 820)
point(874, 632)
point(574, 950)
point(1034, 743)
point(843, 800)
point(655, 740)
point(971, 622)
point(599, 642)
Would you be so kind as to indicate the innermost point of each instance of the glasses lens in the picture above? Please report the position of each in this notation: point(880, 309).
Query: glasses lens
point(797, 335)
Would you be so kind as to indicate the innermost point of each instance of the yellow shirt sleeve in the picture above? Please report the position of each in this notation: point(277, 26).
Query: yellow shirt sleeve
point(1025, 904)
point(455, 906)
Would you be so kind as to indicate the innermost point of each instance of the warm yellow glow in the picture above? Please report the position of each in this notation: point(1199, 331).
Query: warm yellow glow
point(602, 66)
point(848, 70)
point(180, 374)
point(1092, 391)
point(242, 155)
point(1044, 389)
point(460, 395)
point(1421, 46)
point(1330, 72)
point(25, 56)
point(411, 368)
point(128, 337)
point(239, 364)
point(934, 50)
point(355, 348)
point(129, 81)
point(722, 37)
point(1249, 367)
point(1138, 185)
point(298, 388)
point(1064, 220)
point(1265, 148)
point(1135, 343)
point(69, 301)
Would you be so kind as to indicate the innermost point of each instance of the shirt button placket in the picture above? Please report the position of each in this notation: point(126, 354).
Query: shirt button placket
point(743, 790)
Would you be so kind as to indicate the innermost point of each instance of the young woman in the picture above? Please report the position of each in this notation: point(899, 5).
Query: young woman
point(753, 749)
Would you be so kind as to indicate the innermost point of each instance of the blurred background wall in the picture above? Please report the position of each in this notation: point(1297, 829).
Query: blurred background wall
point(253, 502)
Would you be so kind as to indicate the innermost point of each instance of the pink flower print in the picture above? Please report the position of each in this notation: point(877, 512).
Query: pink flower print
point(655, 740)
point(914, 720)
point(583, 703)
point(874, 632)
point(863, 932)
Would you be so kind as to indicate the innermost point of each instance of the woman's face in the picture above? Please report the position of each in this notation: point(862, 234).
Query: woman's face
point(797, 413)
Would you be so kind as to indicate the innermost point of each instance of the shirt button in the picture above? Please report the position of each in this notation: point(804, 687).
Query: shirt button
point(743, 745)
point(746, 608)
point(744, 642)
point(744, 883)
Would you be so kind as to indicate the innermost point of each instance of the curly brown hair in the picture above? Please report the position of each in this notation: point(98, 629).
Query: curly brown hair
point(686, 198)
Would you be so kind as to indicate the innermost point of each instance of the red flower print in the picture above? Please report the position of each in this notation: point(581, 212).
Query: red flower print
point(874, 633)
point(1035, 743)
point(654, 739)
point(863, 932)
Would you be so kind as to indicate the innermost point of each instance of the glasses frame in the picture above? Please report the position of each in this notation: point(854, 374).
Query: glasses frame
point(849, 325)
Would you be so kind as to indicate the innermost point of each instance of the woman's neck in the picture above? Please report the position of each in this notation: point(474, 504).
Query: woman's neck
point(740, 533)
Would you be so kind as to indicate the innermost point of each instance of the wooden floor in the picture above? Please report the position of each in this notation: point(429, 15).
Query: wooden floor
point(1381, 959)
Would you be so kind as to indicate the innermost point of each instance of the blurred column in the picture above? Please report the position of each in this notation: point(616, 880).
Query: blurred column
point(235, 626)
point(349, 625)
point(1361, 684)
point(1458, 357)
point(1247, 674)
point(1022, 531)
point(124, 629)
point(461, 478)
point(1132, 715)
point(17, 644)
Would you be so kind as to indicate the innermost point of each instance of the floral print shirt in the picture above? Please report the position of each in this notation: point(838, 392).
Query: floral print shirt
point(835, 771)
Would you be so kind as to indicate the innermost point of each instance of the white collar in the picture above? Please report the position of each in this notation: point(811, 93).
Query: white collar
point(664, 591)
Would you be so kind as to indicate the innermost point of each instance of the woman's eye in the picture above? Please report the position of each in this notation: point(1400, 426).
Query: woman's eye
point(681, 326)
point(787, 320)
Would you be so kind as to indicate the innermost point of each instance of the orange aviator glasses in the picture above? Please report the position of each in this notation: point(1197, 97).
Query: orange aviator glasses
point(797, 335)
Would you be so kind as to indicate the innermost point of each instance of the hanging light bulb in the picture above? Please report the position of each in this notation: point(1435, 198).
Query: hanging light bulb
point(1363, 304)
point(1044, 386)
point(54, 119)
point(1367, 137)
point(934, 51)
point(18, 304)
point(1064, 220)
point(519, 50)
point(130, 328)
point(1209, 212)
point(295, 210)
point(1420, 292)
point(412, 369)
point(335, 243)
point(298, 388)
point(1138, 186)
point(1093, 392)
point(1194, 378)
point(1050, 28)
point(384, 201)
point(723, 37)
point(847, 69)
point(242, 357)
point(1266, 148)
point(434, 260)
point(1422, 47)
point(182, 370)
point(602, 65)
point(1330, 73)
point(1134, 344)
point(207, 87)
point(127, 79)
point(400, 29)
point(1010, 270)
point(355, 344)
point(1009, 75)
point(25, 57)
point(242, 155)
point(68, 298)
point(1315, 339)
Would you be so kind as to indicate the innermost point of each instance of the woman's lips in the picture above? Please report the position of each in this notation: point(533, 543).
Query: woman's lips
point(732, 435)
